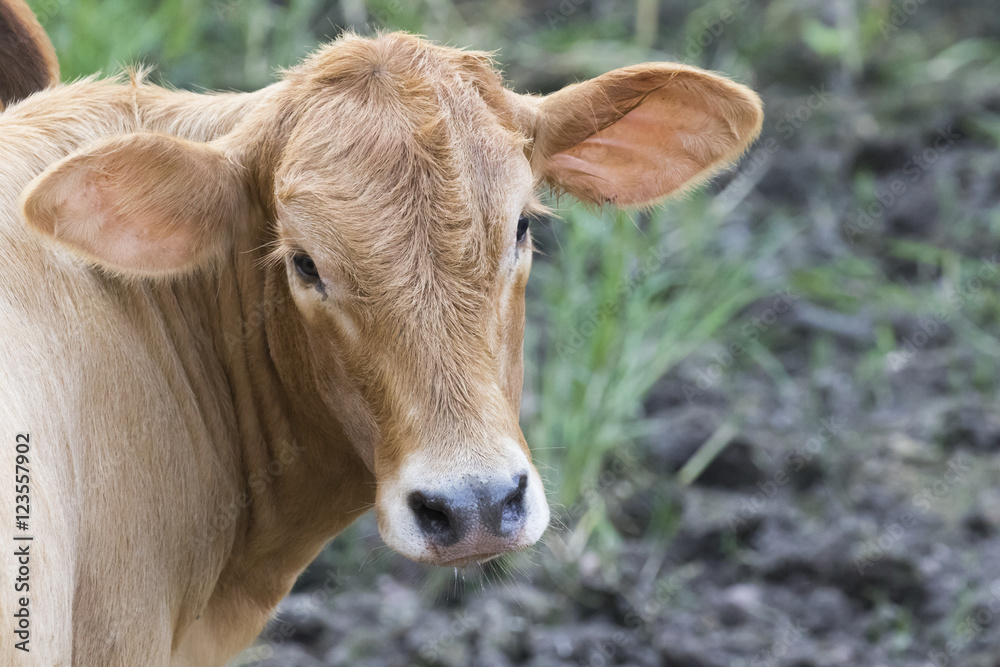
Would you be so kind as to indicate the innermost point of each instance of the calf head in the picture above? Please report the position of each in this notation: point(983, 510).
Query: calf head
point(394, 181)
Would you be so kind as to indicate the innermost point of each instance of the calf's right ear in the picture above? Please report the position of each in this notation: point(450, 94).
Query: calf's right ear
point(141, 204)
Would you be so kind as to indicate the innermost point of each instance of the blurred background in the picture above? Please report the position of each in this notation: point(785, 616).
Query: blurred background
point(767, 413)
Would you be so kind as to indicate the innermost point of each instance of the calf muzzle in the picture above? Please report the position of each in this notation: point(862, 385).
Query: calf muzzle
point(472, 518)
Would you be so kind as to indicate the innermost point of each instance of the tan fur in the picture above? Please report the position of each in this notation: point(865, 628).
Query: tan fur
point(202, 419)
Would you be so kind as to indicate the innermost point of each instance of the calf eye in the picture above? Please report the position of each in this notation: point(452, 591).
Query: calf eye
point(522, 228)
point(306, 268)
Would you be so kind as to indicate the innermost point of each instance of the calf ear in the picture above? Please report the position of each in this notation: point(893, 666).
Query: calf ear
point(640, 133)
point(141, 204)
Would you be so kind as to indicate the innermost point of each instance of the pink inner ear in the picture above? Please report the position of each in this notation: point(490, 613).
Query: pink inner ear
point(653, 150)
point(140, 240)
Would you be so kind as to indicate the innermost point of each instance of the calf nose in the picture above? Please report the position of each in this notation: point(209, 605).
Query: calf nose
point(480, 510)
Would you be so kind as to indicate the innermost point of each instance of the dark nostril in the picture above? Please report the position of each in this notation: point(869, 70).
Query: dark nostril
point(433, 517)
point(497, 510)
point(512, 507)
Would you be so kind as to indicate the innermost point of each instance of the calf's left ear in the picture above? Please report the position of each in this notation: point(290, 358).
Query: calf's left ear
point(640, 133)
point(141, 204)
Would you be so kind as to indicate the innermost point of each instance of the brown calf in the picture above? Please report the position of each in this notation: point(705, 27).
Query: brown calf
point(233, 323)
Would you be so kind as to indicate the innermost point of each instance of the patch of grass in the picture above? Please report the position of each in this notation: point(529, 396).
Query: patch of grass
point(225, 44)
point(619, 301)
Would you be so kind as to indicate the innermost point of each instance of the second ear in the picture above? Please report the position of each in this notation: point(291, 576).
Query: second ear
point(140, 204)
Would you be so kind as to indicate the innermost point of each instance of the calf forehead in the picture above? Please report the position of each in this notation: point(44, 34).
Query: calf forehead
point(405, 173)
point(397, 101)
point(364, 149)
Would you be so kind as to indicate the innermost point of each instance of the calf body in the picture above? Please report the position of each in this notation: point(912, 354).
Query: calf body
point(152, 409)
point(233, 323)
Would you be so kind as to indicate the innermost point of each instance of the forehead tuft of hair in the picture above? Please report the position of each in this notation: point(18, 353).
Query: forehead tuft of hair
point(401, 69)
